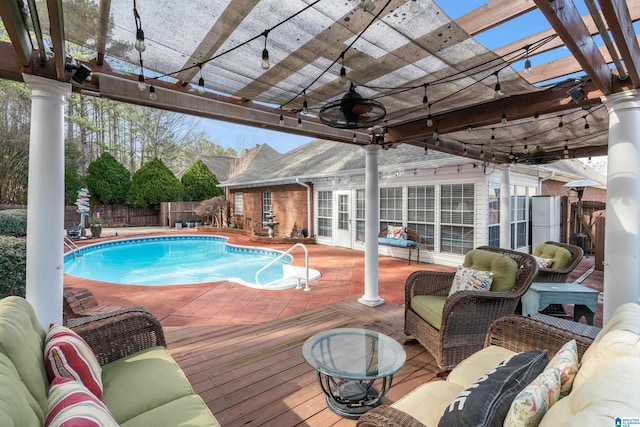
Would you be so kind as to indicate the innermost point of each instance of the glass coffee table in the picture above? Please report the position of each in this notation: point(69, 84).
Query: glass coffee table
point(355, 367)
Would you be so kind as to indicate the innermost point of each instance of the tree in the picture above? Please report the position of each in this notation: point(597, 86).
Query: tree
point(72, 183)
point(153, 184)
point(199, 183)
point(211, 208)
point(15, 113)
point(108, 181)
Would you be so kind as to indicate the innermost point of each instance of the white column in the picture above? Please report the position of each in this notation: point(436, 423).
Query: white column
point(371, 226)
point(45, 212)
point(505, 208)
point(622, 233)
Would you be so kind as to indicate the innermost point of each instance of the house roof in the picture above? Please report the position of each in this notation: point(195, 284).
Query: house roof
point(323, 158)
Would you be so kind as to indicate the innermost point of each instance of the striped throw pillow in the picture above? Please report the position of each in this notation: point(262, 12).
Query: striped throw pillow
point(67, 355)
point(72, 405)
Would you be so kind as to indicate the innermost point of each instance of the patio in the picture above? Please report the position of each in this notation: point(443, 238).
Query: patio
point(241, 347)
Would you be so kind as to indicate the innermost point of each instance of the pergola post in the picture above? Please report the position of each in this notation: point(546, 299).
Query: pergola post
point(505, 208)
point(45, 212)
point(371, 220)
point(622, 234)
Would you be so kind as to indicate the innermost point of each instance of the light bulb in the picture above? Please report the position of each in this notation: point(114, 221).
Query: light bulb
point(343, 76)
point(464, 153)
point(536, 116)
point(414, 7)
point(528, 70)
point(498, 93)
point(281, 120)
point(425, 102)
point(355, 137)
point(299, 123)
point(305, 107)
point(504, 118)
point(152, 93)
point(429, 120)
point(386, 135)
point(561, 124)
point(141, 84)
point(435, 133)
point(201, 86)
point(437, 140)
point(482, 154)
point(525, 150)
point(140, 47)
point(368, 5)
point(265, 59)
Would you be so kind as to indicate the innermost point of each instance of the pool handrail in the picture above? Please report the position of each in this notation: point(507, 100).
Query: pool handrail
point(72, 247)
point(306, 265)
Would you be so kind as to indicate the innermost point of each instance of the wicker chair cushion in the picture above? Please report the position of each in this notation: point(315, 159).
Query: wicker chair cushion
point(127, 391)
point(504, 268)
point(561, 256)
point(17, 406)
point(22, 341)
point(71, 403)
point(430, 308)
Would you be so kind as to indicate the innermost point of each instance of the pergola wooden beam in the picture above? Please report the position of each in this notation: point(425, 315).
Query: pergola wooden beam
point(619, 18)
point(103, 30)
point(567, 22)
point(492, 14)
point(56, 24)
point(17, 31)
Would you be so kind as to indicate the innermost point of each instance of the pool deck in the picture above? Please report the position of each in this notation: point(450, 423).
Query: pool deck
point(228, 303)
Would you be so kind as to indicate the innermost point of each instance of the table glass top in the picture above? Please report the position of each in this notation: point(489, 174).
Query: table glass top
point(354, 354)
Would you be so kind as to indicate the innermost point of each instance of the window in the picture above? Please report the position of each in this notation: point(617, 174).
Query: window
point(237, 203)
point(266, 206)
point(360, 212)
point(493, 216)
point(343, 212)
point(457, 215)
point(421, 213)
point(390, 206)
point(520, 216)
point(325, 213)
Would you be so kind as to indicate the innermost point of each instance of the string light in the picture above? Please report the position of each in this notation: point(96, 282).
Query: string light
point(435, 132)
point(139, 44)
point(265, 53)
point(528, 70)
point(429, 117)
point(503, 120)
point(299, 123)
point(561, 124)
point(141, 84)
point(482, 152)
point(414, 7)
point(305, 104)
point(536, 116)
point(511, 156)
point(355, 137)
point(589, 160)
point(425, 99)
point(437, 140)
point(343, 71)
point(201, 82)
point(368, 5)
point(525, 150)
point(464, 152)
point(493, 135)
point(566, 149)
point(281, 120)
point(497, 89)
point(152, 93)
point(385, 135)
point(469, 128)
point(586, 123)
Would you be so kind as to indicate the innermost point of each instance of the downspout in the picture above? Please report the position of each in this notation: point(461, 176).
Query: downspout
point(544, 178)
point(308, 187)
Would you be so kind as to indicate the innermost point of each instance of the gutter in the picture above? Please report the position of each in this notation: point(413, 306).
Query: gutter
point(308, 187)
point(544, 178)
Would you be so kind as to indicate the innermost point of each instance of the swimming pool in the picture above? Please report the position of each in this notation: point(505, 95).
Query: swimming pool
point(170, 260)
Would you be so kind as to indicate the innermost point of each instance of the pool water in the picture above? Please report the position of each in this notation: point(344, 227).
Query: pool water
point(171, 260)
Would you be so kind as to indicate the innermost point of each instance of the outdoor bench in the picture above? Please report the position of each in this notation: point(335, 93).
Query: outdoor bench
point(401, 237)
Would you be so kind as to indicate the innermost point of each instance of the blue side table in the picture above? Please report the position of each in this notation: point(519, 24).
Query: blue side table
point(540, 295)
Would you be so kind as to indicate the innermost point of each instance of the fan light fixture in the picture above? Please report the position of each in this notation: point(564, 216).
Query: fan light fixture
point(352, 111)
point(537, 156)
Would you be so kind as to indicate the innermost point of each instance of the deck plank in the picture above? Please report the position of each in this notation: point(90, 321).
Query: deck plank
point(254, 375)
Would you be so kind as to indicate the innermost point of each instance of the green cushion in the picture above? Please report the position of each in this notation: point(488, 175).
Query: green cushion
point(561, 256)
point(504, 268)
point(142, 381)
point(22, 341)
point(430, 308)
point(186, 411)
point(17, 405)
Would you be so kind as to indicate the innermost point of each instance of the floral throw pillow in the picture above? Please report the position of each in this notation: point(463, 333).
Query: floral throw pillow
point(469, 279)
point(566, 361)
point(530, 405)
point(544, 262)
point(395, 232)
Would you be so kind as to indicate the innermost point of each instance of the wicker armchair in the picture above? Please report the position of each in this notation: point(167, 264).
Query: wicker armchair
point(466, 315)
point(513, 332)
point(559, 275)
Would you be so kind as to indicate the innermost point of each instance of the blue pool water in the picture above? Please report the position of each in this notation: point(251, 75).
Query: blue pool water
point(170, 260)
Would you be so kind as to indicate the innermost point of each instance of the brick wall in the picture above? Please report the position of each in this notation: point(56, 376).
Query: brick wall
point(289, 203)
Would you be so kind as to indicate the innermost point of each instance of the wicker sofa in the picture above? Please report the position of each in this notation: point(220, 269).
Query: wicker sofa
point(606, 385)
point(143, 385)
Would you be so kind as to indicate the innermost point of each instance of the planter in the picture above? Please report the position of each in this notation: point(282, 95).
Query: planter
point(96, 230)
point(189, 224)
point(178, 225)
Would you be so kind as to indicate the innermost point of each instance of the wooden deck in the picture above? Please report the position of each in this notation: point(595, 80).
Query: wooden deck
point(254, 375)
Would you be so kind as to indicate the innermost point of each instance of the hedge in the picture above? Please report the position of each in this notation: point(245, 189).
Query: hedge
point(13, 222)
point(13, 266)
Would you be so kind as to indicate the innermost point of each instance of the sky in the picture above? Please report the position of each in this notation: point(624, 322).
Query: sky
point(239, 136)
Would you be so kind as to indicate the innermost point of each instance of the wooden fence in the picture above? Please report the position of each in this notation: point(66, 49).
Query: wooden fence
point(116, 216)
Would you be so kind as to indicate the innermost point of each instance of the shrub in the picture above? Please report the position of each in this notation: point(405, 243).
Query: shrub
point(153, 184)
point(108, 181)
point(13, 222)
point(13, 266)
point(199, 183)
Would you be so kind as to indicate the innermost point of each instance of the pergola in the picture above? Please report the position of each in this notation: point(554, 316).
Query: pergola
point(278, 65)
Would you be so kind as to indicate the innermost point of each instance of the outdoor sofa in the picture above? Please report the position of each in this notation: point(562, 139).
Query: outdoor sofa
point(141, 383)
point(601, 390)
